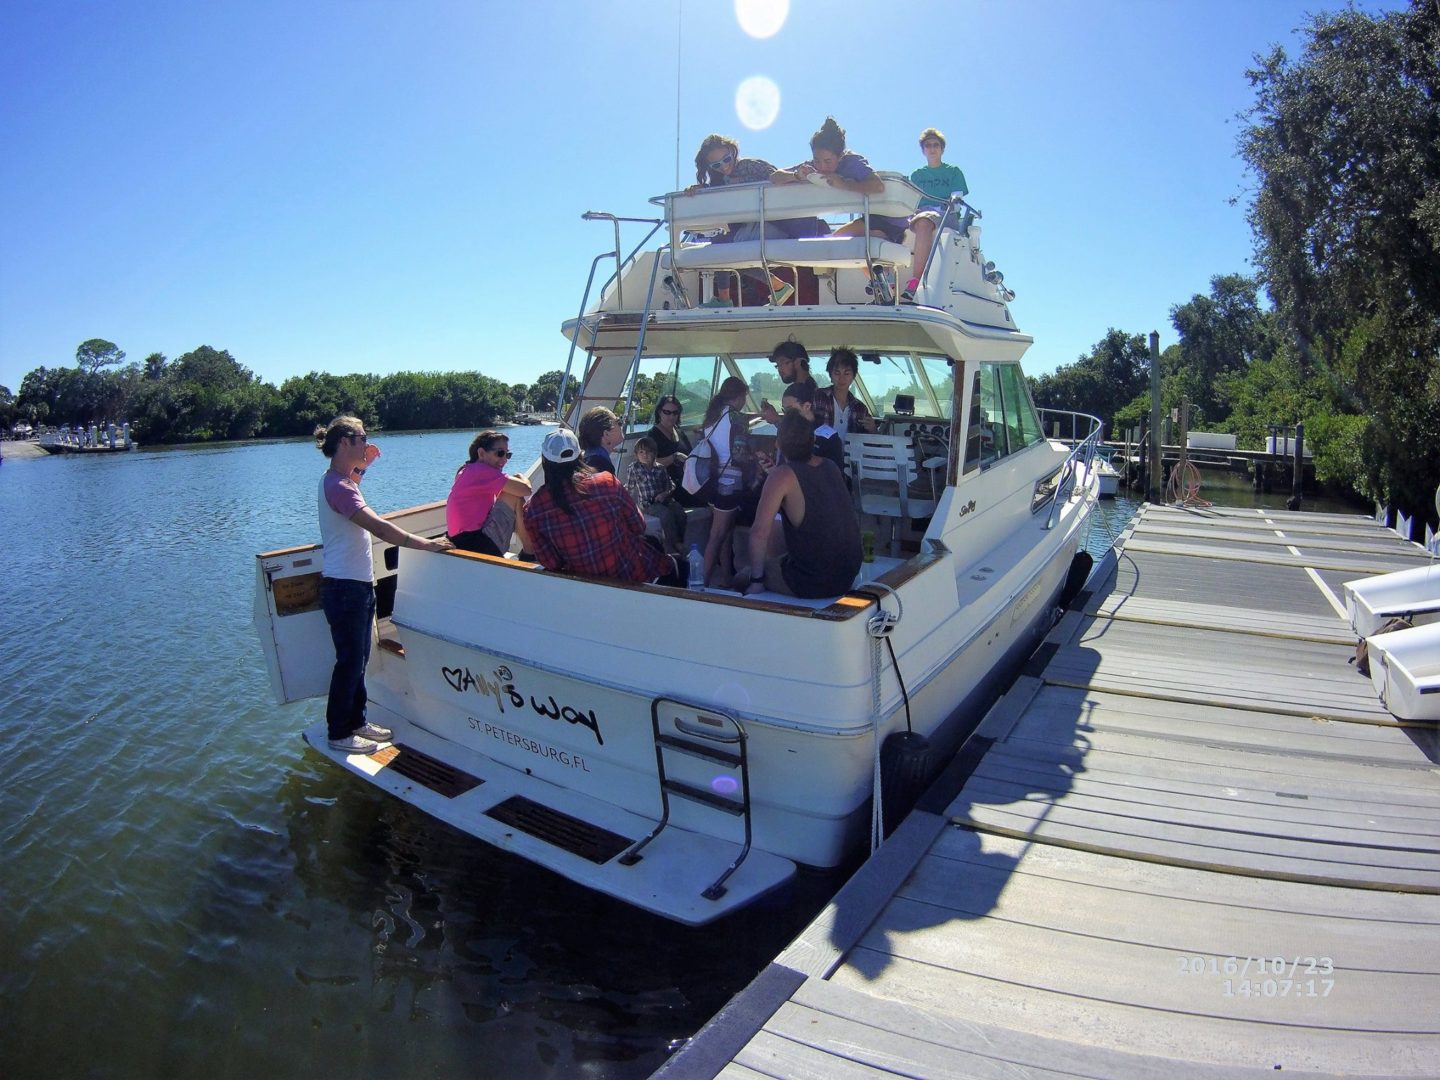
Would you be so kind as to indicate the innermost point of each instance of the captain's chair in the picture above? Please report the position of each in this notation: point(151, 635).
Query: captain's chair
point(884, 466)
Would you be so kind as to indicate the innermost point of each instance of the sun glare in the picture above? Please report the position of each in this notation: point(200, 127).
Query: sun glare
point(761, 18)
point(757, 102)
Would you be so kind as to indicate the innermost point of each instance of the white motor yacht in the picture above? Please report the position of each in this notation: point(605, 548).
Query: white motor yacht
point(686, 751)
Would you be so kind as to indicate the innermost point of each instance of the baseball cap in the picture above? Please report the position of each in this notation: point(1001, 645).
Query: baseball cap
point(560, 445)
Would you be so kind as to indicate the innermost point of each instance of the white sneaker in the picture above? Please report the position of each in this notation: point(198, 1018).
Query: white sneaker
point(374, 732)
point(353, 744)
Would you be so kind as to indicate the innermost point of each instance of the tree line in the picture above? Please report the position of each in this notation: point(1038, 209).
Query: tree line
point(207, 394)
point(1343, 143)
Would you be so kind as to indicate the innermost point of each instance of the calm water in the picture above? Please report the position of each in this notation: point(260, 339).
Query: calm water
point(191, 892)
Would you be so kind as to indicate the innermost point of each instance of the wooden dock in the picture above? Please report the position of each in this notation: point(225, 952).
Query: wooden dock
point(1189, 842)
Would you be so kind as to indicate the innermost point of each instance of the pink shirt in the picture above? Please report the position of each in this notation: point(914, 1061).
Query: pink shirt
point(472, 497)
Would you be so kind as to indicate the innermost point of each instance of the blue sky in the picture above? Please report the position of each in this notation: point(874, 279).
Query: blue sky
point(348, 185)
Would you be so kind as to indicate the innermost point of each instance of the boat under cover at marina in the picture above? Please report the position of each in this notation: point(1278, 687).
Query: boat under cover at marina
point(685, 751)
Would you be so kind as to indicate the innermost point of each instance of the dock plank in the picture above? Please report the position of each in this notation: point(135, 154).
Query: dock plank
point(1189, 790)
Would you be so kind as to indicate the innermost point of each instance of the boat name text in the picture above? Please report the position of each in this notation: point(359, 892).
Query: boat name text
point(502, 688)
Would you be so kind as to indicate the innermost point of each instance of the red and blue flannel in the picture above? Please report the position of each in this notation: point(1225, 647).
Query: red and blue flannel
point(604, 537)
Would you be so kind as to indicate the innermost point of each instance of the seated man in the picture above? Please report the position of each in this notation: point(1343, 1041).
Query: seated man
point(584, 522)
point(482, 511)
point(822, 534)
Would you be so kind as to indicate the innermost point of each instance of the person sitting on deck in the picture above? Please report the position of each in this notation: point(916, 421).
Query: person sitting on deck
point(822, 534)
point(718, 163)
point(792, 364)
point(652, 489)
point(583, 522)
point(484, 507)
point(672, 445)
point(600, 431)
point(938, 181)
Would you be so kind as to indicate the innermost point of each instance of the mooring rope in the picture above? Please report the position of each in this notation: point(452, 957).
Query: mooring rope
point(879, 627)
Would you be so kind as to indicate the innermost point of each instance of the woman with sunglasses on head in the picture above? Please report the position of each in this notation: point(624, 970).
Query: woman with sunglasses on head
point(717, 164)
point(347, 581)
point(484, 508)
point(672, 446)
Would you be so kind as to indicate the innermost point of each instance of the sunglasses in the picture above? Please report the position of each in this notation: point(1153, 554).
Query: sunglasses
point(932, 145)
point(669, 412)
point(504, 453)
point(720, 163)
point(362, 438)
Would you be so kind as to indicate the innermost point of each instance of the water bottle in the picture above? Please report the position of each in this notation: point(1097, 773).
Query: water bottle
point(697, 569)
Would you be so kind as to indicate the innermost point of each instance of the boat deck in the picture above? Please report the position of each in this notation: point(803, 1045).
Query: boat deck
point(1188, 842)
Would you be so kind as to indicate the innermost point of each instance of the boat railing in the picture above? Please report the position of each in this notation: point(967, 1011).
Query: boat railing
point(616, 278)
point(1084, 437)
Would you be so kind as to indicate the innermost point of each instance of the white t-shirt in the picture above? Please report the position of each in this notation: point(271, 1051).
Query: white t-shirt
point(347, 545)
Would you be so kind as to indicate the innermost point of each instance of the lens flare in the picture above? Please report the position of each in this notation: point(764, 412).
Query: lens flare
point(725, 785)
point(757, 102)
point(761, 18)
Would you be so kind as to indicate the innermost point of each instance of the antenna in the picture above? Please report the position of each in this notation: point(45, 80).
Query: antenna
point(679, 12)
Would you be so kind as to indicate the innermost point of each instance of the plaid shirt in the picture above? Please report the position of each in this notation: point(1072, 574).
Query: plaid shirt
point(602, 538)
point(646, 483)
point(825, 410)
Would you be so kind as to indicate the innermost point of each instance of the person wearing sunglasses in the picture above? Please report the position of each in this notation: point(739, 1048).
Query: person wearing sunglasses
point(717, 164)
point(672, 446)
point(347, 580)
point(485, 508)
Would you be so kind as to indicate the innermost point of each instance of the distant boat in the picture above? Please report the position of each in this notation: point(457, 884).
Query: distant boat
point(1106, 472)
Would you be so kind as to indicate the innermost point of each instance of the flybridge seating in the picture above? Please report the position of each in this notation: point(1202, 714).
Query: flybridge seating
point(715, 208)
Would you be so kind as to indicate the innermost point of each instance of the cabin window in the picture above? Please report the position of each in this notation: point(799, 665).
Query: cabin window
point(1003, 420)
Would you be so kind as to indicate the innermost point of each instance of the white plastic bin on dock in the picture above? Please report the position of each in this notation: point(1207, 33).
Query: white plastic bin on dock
point(1405, 671)
point(1209, 440)
point(1285, 447)
point(1373, 601)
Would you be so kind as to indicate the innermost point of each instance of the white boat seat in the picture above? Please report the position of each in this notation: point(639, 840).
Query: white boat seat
point(884, 466)
point(825, 252)
point(713, 208)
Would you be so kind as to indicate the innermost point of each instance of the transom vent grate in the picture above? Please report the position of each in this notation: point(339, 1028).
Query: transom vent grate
point(568, 833)
point(427, 771)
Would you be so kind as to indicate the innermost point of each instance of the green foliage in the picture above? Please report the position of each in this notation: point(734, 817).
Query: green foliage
point(545, 391)
point(97, 353)
point(1345, 145)
point(1220, 334)
point(1102, 382)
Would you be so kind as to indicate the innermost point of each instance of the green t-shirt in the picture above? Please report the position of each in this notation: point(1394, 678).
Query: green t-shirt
point(937, 183)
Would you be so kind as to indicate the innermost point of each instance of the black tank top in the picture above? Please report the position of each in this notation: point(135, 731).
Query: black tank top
point(822, 555)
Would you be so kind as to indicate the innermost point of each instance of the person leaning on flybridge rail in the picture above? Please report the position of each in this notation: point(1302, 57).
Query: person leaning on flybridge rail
point(347, 583)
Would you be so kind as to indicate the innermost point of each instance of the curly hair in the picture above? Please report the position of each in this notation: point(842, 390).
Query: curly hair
point(831, 136)
point(702, 170)
point(932, 133)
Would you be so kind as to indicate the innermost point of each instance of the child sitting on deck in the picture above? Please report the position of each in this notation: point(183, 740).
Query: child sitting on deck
point(938, 181)
point(654, 492)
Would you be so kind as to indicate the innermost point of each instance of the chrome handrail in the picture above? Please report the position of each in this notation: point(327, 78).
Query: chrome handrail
point(1082, 452)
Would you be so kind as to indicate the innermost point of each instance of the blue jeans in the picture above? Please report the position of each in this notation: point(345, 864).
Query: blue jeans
point(349, 608)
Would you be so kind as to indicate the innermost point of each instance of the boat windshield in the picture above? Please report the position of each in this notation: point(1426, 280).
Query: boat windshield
point(927, 381)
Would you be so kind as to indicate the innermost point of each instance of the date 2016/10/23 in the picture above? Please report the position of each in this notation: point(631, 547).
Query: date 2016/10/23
point(1296, 977)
